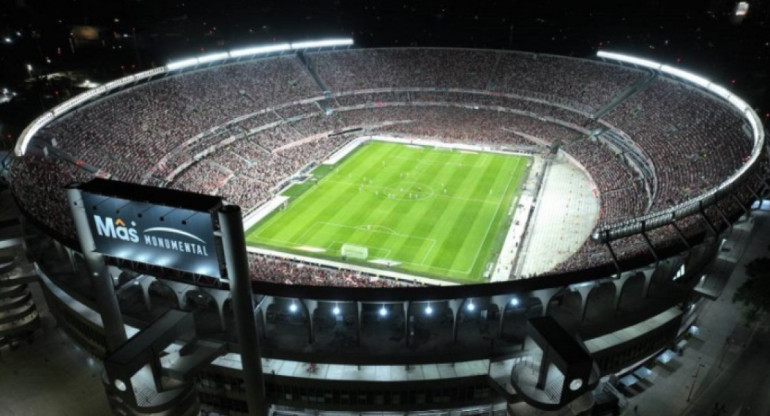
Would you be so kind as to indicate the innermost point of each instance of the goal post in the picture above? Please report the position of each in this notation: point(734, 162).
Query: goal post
point(354, 251)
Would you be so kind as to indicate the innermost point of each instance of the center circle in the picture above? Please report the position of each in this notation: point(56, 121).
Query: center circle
point(406, 190)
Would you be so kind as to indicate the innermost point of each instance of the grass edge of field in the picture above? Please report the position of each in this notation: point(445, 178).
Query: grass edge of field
point(504, 222)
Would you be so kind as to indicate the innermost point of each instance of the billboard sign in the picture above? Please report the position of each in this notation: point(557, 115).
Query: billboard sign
point(147, 232)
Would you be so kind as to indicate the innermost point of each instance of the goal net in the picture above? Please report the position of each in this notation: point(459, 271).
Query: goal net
point(354, 251)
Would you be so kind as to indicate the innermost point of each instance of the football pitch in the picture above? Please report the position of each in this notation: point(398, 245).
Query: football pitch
point(435, 212)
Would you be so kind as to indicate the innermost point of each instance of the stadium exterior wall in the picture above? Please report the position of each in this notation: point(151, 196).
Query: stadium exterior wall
point(218, 385)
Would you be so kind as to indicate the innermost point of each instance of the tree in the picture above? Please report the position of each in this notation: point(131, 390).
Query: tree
point(754, 293)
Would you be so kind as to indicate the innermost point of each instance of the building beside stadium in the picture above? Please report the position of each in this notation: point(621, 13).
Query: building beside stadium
point(638, 173)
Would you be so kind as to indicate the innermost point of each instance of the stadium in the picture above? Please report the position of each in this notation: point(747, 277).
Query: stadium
point(427, 228)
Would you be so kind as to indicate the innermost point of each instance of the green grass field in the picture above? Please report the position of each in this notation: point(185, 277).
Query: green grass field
point(436, 212)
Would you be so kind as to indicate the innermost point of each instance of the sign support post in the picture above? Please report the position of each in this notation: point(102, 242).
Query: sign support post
point(101, 281)
point(236, 260)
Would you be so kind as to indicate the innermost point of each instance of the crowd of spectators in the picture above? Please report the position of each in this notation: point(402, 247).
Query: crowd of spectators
point(281, 271)
point(126, 133)
point(694, 141)
point(256, 123)
point(621, 193)
point(589, 85)
point(39, 183)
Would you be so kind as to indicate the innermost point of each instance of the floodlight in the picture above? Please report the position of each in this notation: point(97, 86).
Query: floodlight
point(428, 310)
point(293, 307)
point(321, 43)
point(738, 103)
point(213, 57)
point(630, 59)
point(336, 310)
point(741, 9)
point(184, 63)
point(471, 307)
point(514, 301)
point(719, 90)
point(260, 50)
point(383, 311)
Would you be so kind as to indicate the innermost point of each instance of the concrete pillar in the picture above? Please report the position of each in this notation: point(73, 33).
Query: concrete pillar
point(144, 282)
point(73, 261)
point(101, 282)
point(407, 306)
point(262, 307)
point(236, 260)
point(502, 303)
point(114, 273)
point(220, 297)
point(619, 284)
point(647, 280)
point(545, 296)
point(60, 251)
point(584, 292)
point(180, 290)
point(310, 306)
point(456, 305)
point(359, 321)
point(545, 362)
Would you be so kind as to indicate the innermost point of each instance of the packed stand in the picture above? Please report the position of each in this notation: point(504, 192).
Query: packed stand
point(127, 133)
point(385, 68)
point(39, 182)
point(694, 141)
point(290, 273)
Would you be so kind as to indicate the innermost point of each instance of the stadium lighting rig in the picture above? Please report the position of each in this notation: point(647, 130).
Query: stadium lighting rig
point(257, 50)
point(253, 51)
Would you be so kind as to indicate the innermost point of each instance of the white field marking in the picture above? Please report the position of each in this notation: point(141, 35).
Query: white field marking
point(385, 253)
point(413, 146)
point(422, 263)
point(382, 187)
point(468, 152)
point(278, 241)
point(385, 262)
point(427, 161)
point(492, 220)
point(406, 237)
point(310, 249)
point(381, 252)
point(363, 228)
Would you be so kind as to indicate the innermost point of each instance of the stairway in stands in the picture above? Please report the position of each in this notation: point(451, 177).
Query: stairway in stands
point(19, 318)
point(624, 95)
point(321, 84)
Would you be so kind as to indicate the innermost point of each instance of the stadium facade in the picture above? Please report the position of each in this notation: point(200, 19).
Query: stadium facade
point(675, 159)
